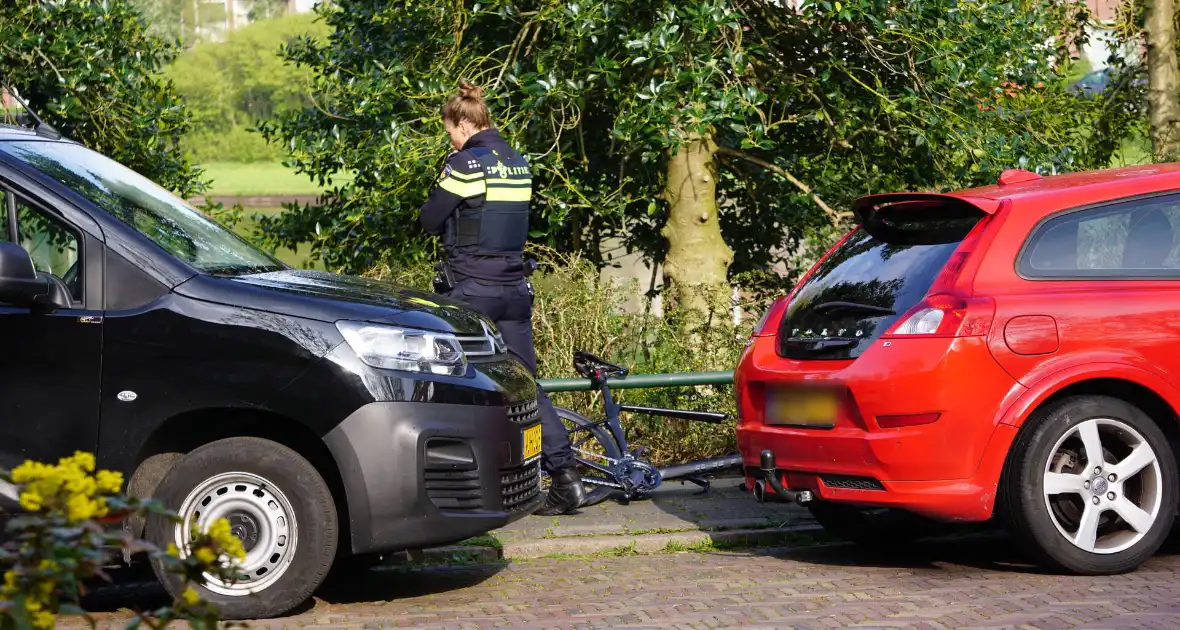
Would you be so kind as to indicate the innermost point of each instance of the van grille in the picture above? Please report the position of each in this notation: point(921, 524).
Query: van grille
point(479, 348)
point(526, 412)
point(453, 490)
point(519, 485)
point(459, 490)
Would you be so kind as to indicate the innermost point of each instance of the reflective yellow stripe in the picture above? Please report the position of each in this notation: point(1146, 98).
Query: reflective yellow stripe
point(505, 193)
point(466, 177)
point(463, 189)
point(515, 181)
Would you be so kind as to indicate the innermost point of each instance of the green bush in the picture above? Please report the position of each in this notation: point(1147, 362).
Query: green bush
point(55, 549)
point(575, 310)
point(90, 69)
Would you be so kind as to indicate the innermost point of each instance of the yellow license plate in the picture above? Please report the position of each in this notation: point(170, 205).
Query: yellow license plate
point(815, 408)
point(532, 442)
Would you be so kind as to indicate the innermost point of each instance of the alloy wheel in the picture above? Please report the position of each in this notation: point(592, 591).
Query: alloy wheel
point(1103, 486)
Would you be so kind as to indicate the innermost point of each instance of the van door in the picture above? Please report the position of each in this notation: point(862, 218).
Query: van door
point(50, 362)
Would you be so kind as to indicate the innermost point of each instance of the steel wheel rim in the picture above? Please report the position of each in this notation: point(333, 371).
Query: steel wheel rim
point(260, 515)
point(1103, 506)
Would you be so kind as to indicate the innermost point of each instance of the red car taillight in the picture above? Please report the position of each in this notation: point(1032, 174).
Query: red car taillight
point(943, 313)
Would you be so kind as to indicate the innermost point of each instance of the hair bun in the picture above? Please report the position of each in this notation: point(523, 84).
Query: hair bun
point(468, 90)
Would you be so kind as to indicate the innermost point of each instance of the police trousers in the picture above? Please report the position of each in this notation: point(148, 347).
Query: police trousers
point(511, 308)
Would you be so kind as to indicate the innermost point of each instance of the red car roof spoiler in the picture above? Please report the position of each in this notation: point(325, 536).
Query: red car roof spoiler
point(865, 206)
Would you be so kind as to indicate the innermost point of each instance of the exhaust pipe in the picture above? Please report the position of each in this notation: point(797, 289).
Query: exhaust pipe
point(770, 477)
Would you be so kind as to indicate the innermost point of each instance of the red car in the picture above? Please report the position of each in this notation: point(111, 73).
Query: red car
point(1011, 351)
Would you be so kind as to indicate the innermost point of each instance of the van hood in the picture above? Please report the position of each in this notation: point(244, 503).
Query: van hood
point(330, 297)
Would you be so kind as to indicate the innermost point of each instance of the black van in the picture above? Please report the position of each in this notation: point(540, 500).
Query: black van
point(330, 418)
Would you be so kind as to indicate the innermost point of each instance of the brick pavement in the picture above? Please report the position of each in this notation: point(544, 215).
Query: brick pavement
point(971, 583)
point(672, 507)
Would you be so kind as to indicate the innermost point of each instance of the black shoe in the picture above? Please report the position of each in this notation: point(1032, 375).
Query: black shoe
point(565, 493)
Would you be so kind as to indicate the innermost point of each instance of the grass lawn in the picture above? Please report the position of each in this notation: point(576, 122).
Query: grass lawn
point(262, 178)
point(298, 259)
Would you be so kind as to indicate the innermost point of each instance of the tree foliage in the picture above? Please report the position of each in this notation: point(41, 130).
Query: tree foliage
point(90, 69)
point(808, 108)
point(231, 85)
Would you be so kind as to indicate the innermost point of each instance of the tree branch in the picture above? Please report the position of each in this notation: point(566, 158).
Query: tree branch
point(834, 216)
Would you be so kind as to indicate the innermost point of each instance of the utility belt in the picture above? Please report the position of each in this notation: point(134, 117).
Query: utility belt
point(446, 279)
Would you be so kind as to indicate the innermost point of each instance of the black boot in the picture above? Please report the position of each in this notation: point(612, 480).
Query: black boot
point(565, 493)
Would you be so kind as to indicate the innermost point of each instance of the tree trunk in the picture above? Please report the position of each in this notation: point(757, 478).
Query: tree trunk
point(229, 15)
point(1162, 99)
point(698, 258)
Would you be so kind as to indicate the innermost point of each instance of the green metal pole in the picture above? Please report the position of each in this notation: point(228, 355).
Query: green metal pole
point(640, 381)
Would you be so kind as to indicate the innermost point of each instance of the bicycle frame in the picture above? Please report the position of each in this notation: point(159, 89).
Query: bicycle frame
point(638, 470)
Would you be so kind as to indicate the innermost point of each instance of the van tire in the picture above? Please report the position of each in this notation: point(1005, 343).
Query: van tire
point(1051, 438)
point(284, 479)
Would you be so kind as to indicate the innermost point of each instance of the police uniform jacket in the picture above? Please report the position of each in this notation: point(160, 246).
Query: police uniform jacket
point(481, 209)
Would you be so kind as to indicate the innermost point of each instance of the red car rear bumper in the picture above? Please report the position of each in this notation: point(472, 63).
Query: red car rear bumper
point(948, 469)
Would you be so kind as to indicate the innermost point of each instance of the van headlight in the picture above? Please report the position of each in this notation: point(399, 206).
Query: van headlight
point(405, 349)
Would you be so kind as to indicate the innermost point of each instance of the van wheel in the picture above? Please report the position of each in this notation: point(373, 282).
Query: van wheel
point(1092, 488)
point(870, 527)
point(276, 503)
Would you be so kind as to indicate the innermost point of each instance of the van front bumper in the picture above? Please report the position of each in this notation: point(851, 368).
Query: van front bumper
point(419, 475)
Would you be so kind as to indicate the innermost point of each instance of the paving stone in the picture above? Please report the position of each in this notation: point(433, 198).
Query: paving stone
point(966, 584)
point(567, 530)
point(735, 523)
point(962, 584)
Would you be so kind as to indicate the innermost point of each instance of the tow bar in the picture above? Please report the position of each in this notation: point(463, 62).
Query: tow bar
point(770, 477)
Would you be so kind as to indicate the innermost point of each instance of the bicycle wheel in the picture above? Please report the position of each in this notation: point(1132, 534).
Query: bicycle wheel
point(595, 445)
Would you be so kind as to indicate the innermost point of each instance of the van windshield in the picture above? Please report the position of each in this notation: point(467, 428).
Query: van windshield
point(164, 218)
point(882, 270)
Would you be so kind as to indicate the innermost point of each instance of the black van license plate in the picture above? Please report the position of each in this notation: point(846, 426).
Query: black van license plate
point(532, 442)
point(801, 407)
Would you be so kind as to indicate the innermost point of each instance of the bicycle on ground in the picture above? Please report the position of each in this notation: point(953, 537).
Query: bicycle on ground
point(608, 464)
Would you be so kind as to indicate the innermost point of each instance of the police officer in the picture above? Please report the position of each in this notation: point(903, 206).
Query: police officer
point(481, 209)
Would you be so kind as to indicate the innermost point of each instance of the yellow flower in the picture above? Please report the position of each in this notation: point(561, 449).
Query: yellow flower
point(110, 482)
point(220, 534)
point(173, 551)
point(79, 507)
point(10, 579)
point(43, 620)
point(27, 472)
point(206, 555)
point(47, 565)
point(85, 461)
point(190, 596)
point(32, 605)
point(31, 500)
point(219, 529)
point(77, 483)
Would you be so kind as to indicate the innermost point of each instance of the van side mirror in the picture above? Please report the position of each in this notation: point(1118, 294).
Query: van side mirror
point(20, 285)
